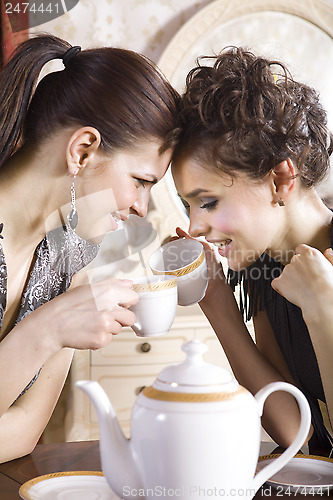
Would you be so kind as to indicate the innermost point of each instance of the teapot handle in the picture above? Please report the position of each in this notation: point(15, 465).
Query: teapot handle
point(277, 464)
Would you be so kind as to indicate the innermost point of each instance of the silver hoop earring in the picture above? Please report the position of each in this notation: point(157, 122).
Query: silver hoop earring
point(73, 217)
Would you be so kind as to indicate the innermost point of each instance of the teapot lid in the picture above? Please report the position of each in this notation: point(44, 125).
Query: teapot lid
point(195, 375)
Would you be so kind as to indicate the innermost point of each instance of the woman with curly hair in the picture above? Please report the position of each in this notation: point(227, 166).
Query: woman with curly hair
point(80, 149)
point(252, 145)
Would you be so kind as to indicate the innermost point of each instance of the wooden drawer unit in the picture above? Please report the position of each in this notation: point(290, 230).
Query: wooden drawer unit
point(128, 349)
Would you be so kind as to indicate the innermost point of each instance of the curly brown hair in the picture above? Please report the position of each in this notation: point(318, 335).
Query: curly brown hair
point(246, 114)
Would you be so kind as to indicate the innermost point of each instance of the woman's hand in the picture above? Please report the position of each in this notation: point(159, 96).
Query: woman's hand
point(307, 279)
point(217, 280)
point(87, 316)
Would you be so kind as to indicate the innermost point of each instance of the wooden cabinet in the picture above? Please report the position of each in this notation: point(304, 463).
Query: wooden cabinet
point(130, 363)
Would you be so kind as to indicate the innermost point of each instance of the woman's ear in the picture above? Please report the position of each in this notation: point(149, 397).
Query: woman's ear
point(81, 147)
point(283, 181)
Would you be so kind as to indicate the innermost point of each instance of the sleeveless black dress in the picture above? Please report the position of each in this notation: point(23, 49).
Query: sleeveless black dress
point(290, 330)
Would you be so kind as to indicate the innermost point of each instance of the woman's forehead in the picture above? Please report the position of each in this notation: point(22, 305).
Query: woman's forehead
point(188, 171)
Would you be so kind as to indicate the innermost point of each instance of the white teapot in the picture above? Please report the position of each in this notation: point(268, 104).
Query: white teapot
point(194, 433)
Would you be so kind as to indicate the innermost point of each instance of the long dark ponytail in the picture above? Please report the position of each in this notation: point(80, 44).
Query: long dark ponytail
point(17, 84)
point(117, 91)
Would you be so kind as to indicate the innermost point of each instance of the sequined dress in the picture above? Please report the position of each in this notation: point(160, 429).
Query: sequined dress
point(60, 255)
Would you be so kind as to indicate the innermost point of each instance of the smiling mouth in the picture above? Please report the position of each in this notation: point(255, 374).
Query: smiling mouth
point(221, 245)
point(118, 216)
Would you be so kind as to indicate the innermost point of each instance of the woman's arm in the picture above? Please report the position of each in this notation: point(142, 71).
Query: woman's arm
point(252, 368)
point(308, 282)
point(283, 429)
point(83, 318)
point(253, 364)
point(23, 423)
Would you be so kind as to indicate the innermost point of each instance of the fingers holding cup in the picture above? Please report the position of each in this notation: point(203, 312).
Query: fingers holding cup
point(185, 259)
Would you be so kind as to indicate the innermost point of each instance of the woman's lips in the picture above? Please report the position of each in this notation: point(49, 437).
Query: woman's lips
point(223, 246)
point(114, 222)
point(119, 216)
point(115, 218)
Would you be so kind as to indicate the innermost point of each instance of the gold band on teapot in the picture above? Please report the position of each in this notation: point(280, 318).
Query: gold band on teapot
point(183, 397)
point(184, 270)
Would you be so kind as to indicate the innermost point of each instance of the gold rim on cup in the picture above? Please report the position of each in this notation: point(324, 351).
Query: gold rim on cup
point(156, 286)
point(184, 270)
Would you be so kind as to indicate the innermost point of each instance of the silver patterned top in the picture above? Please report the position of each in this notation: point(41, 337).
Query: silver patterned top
point(60, 255)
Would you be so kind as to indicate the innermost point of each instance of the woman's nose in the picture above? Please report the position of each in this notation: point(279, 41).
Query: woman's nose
point(140, 207)
point(197, 227)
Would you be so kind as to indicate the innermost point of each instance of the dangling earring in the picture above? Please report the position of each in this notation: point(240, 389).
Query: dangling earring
point(281, 203)
point(73, 217)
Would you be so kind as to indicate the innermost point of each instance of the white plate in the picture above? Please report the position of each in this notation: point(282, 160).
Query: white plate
point(304, 473)
point(78, 485)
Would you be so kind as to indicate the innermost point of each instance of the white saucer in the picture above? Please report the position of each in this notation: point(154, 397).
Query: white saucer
point(78, 485)
point(304, 473)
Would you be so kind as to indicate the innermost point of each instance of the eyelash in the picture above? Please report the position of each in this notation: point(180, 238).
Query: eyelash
point(211, 205)
point(142, 182)
point(185, 203)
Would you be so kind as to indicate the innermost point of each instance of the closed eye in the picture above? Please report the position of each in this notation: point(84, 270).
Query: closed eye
point(146, 182)
point(210, 205)
point(142, 182)
point(185, 203)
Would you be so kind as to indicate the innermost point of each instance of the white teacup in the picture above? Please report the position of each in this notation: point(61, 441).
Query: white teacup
point(185, 259)
point(156, 309)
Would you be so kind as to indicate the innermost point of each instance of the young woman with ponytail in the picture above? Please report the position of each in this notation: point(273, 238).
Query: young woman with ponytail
point(253, 144)
point(79, 149)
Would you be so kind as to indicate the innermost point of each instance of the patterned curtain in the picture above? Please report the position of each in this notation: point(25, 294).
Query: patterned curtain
point(14, 30)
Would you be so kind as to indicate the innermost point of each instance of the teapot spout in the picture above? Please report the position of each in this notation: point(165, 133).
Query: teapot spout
point(117, 457)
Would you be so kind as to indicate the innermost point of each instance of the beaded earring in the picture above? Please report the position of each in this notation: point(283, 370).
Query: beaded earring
point(73, 217)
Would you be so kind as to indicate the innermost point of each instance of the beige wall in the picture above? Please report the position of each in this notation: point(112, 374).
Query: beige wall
point(142, 25)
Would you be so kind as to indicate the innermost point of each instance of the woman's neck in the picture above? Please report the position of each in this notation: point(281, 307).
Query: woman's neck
point(30, 190)
point(306, 220)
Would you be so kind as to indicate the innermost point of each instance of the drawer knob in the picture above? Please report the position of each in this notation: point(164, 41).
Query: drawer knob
point(145, 347)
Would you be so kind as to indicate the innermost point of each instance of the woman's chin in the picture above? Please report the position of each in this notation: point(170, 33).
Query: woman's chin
point(95, 233)
point(240, 264)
